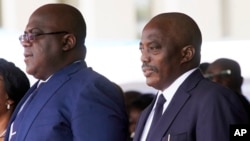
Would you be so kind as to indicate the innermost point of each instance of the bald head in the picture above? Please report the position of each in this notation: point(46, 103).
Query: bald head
point(170, 46)
point(62, 17)
point(56, 33)
point(181, 28)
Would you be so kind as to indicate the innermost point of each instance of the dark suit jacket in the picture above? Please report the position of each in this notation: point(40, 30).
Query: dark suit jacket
point(200, 110)
point(76, 104)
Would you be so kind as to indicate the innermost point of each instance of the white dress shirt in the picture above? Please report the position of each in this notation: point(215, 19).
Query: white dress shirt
point(168, 95)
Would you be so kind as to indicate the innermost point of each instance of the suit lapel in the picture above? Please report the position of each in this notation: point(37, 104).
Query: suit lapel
point(169, 115)
point(177, 103)
point(43, 95)
point(22, 101)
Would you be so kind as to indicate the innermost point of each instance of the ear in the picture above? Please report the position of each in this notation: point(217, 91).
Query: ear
point(9, 101)
point(187, 53)
point(69, 42)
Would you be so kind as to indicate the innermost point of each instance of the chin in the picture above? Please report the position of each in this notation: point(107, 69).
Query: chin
point(152, 83)
point(29, 70)
point(155, 82)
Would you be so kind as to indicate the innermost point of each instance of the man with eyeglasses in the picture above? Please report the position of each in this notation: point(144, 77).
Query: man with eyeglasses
point(70, 101)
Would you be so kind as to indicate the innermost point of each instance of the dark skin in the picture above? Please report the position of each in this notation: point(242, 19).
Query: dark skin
point(5, 113)
point(170, 46)
point(49, 53)
point(233, 81)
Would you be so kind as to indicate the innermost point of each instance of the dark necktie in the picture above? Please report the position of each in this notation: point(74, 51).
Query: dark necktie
point(158, 112)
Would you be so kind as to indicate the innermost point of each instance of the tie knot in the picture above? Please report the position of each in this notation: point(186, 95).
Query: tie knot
point(161, 100)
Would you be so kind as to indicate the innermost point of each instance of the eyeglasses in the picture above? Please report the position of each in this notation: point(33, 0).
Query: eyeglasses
point(30, 37)
point(221, 73)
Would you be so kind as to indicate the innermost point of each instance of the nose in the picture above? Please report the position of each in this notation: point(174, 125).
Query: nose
point(25, 40)
point(145, 56)
point(25, 43)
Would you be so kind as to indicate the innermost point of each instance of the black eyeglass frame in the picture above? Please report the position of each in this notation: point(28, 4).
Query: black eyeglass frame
point(29, 37)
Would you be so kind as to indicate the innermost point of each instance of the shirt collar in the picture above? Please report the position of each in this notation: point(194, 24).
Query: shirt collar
point(169, 92)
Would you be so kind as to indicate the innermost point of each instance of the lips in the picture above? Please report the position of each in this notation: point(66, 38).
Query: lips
point(27, 56)
point(147, 71)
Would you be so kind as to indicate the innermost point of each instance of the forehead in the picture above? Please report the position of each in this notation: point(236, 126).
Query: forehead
point(158, 29)
point(43, 20)
point(154, 34)
point(151, 34)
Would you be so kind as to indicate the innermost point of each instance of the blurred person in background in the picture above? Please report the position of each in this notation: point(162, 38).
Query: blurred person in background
point(13, 86)
point(135, 109)
point(227, 72)
point(130, 96)
point(203, 67)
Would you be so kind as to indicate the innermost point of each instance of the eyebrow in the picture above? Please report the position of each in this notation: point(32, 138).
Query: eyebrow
point(32, 29)
point(150, 42)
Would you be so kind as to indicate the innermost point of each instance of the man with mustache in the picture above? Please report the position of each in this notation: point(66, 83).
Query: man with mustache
point(188, 106)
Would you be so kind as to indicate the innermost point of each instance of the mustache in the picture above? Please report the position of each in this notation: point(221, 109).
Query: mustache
point(153, 68)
